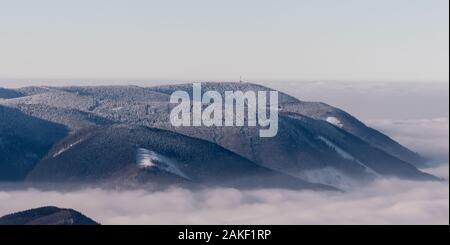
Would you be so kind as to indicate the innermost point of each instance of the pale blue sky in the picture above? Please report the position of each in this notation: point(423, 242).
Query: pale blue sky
point(222, 40)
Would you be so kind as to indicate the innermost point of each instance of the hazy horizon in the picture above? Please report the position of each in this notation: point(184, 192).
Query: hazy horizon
point(15, 83)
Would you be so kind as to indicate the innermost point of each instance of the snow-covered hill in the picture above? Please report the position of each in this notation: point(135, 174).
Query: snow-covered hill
point(313, 137)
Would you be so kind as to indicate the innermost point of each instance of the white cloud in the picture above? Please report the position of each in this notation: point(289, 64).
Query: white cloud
point(428, 137)
point(386, 201)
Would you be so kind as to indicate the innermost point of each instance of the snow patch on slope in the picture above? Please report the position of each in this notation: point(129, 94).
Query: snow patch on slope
point(64, 149)
point(329, 176)
point(335, 121)
point(149, 159)
point(345, 154)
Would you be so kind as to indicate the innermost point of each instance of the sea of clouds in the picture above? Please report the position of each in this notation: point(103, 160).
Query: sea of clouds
point(428, 137)
point(385, 201)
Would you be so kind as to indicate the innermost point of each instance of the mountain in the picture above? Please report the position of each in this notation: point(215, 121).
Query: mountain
point(9, 93)
point(310, 149)
point(316, 143)
point(316, 110)
point(47, 216)
point(73, 119)
point(24, 140)
point(137, 155)
point(347, 122)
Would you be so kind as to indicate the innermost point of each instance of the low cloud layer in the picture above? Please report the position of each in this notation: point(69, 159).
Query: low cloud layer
point(428, 137)
point(387, 201)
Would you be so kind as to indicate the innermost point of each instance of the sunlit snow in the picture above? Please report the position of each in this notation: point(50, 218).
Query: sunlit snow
point(150, 159)
point(64, 149)
point(335, 121)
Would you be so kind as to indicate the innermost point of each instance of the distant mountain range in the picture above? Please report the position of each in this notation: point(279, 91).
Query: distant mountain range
point(47, 216)
point(122, 136)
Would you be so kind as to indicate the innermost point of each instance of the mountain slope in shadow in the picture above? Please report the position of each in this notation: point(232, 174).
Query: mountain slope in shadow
point(47, 216)
point(135, 155)
point(24, 140)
